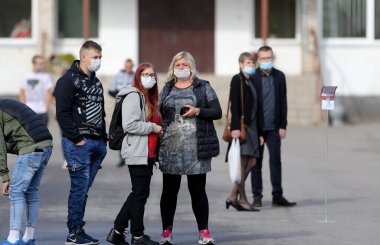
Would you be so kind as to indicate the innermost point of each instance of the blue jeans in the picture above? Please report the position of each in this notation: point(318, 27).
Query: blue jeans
point(25, 182)
point(83, 163)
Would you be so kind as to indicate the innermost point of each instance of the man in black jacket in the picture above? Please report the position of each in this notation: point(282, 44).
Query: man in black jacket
point(270, 85)
point(80, 114)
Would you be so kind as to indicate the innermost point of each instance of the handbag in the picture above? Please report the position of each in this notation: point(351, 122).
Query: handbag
point(234, 162)
point(227, 130)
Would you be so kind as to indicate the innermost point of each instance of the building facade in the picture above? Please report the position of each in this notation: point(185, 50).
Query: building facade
point(341, 38)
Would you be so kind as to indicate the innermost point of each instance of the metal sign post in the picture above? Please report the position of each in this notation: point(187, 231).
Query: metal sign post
point(327, 96)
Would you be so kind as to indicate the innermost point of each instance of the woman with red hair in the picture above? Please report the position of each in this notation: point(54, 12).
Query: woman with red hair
point(141, 121)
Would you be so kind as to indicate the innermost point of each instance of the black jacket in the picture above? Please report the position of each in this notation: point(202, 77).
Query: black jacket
point(208, 143)
point(249, 102)
point(21, 132)
point(26, 125)
point(281, 104)
point(80, 105)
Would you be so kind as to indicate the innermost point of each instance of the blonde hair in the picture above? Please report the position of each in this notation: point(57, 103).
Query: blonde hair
point(189, 58)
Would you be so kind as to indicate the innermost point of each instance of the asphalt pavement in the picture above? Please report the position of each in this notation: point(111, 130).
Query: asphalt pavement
point(351, 216)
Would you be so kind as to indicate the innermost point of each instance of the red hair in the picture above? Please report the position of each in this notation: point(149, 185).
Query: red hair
point(151, 95)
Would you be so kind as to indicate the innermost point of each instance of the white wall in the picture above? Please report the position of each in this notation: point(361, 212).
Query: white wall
point(118, 33)
point(353, 68)
point(234, 34)
point(15, 61)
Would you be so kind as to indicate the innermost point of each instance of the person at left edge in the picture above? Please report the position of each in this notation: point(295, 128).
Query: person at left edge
point(23, 133)
point(80, 114)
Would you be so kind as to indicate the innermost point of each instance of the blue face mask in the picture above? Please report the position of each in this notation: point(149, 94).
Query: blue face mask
point(249, 70)
point(266, 65)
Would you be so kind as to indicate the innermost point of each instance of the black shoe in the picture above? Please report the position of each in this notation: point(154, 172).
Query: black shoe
point(257, 202)
point(234, 204)
point(282, 202)
point(144, 240)
point(76, 239)
point(121, 164)
point(249, 209)
point(82, 233)
point(115, 238)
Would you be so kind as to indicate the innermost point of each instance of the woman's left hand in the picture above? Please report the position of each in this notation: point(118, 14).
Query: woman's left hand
point(261, 140)
point(192, 112)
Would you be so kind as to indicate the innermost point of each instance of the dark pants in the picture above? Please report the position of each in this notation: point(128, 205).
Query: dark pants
point(134, 207)
point(273, 142)
point(197, 188)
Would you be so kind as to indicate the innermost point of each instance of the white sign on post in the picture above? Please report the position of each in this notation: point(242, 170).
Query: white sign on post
point(328, 96)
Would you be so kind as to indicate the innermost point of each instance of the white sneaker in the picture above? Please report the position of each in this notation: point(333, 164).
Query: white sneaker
point(205, 238)
point(166, 236)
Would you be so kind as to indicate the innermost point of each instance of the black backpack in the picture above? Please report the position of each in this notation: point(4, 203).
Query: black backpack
point(116, 132)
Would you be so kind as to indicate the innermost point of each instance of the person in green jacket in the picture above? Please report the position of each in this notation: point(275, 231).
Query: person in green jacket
point(24, 134)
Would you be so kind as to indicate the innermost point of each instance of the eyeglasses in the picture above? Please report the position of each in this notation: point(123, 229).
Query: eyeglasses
point(154, 75)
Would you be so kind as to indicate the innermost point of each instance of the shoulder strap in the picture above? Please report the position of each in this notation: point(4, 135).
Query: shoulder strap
point(241, 97)
point(229, 104)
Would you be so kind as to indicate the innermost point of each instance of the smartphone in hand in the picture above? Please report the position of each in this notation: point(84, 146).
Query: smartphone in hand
point(184, 110)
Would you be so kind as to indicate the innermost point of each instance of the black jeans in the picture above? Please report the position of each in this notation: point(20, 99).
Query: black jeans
point(197, 188)
point(273, 142)
point(134, 207)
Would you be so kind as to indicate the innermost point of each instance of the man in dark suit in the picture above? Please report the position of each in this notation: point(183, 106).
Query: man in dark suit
point(270, 85)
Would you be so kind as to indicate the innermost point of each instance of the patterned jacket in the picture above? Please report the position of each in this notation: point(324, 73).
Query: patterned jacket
point(80, 105)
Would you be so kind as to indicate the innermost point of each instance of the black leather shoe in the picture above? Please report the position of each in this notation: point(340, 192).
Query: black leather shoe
point(257, 203)
point(234, 204)
point(115, 238)
point(249, 209)
point(144, 240)
point(121, 164)
point(282, 202)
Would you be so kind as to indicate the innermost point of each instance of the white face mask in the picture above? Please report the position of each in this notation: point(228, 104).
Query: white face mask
point(148, 82)
point(94, 65)
point(182, 74)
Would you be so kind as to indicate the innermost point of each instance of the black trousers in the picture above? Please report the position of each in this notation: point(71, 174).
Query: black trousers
point(134, 207)
point(197, 188)
point(273, 142)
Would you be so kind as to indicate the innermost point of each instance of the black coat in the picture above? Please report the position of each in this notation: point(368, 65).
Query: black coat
point(281, 104)
point(249, 101)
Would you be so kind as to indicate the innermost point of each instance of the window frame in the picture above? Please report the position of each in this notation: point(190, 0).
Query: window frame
point(280, 41)
point(350, 41)
point(11, 41)
point(76, 40)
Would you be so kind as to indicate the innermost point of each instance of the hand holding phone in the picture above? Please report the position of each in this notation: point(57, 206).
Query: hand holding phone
point(184, 110)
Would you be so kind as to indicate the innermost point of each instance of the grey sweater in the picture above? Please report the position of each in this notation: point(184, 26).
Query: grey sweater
point(134, 149)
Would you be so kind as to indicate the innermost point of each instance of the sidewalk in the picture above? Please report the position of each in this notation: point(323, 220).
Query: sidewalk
point(353, 195)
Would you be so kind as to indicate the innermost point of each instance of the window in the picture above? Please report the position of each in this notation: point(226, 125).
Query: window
point(377, 19)
point(70, 18)
point(281, 18)
point(15, 18)
point(344, 18)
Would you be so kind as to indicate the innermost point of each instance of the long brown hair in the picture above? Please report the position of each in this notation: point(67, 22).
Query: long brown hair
point(151, 95)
